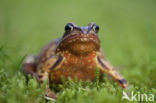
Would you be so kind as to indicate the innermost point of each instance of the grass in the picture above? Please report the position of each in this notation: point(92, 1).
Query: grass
point(127, 33)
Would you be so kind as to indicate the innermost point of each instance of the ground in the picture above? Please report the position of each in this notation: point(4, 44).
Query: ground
point(127, 33)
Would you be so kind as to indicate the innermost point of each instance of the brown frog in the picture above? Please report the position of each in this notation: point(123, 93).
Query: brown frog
point(76, 55)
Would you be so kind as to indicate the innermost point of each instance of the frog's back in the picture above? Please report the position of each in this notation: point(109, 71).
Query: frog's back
point(48, 51)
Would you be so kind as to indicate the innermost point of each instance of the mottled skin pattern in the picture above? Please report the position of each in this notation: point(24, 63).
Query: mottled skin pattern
point(76, 55)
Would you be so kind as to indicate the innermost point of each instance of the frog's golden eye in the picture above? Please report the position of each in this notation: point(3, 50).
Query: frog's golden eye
point(69, 27)
point(95, 28)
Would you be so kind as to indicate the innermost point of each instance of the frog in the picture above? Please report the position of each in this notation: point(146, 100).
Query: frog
point(77, 54)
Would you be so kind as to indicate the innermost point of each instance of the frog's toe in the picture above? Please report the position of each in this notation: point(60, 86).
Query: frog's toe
point(29, 65)
point(50, 95)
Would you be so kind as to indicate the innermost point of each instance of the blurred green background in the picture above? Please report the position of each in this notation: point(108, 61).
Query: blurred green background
point(127, 32)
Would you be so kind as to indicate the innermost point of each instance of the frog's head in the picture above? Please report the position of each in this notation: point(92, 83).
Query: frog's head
point(80, 40)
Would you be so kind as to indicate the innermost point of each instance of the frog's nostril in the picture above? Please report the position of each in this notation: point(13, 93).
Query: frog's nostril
point(84, 30)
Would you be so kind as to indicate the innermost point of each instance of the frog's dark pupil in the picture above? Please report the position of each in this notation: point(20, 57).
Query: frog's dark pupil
point(68, 28)
point(97, 28)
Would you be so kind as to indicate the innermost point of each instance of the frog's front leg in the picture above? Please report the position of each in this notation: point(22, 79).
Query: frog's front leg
point(44, 70)
point(41, 77)
point(106, 67)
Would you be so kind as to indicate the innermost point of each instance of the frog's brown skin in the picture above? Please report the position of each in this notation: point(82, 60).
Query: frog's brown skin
point(76, 55)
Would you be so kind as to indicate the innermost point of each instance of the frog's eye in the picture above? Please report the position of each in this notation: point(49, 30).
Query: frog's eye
point(95, 28)
point(69, 27)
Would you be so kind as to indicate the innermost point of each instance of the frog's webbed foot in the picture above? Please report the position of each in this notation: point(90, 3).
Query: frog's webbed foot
point(29, 65)
point(106, 67)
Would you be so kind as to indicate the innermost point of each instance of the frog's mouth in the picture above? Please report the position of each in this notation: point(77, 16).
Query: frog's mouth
point(80, 43)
